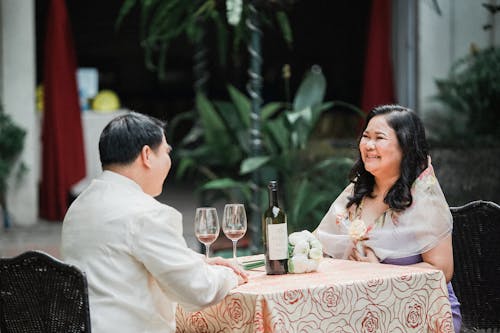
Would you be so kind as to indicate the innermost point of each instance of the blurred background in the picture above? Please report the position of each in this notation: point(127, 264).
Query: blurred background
point(251, 91)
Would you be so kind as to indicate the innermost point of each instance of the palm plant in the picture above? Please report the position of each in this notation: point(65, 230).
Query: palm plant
point(308, 184)
point(163, 21)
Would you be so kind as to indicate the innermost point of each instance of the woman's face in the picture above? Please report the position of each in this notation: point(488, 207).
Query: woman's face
point(380, 149)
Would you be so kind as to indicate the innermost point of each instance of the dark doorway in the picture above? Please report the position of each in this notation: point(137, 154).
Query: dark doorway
point(331, 34)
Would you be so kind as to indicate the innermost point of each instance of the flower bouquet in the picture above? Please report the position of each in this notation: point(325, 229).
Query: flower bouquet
point(304, 252)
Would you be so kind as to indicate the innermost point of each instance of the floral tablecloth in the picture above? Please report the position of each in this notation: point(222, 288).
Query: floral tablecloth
point(342, 296)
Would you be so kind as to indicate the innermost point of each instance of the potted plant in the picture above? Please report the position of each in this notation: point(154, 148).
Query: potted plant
point(223, 158)
point(11, 145)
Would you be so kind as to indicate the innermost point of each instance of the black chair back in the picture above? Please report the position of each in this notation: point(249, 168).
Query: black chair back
point(39, 293)
point(476, 252)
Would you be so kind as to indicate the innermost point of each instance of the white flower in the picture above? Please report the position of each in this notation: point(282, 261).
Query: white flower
point(315, 254)
point(301, 247)
point(234, 9)
point(308, 235)
point(306, 252)
point(357, 230)
point(316, 244)
point(298, 264)
point(312, 265)
point(293, 238)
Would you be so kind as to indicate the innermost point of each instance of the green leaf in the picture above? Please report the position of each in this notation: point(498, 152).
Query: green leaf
point(124, 11)
point(222, 183)
point(162, 61)
point(183, 166)
point(270, 109)
point(311, 91)
point(285, 27)
point(228, 183)
point(253, 163)
point(174, 124)
point(242, 104)
point(349, 106)
point(277, 131)
point(221, 37)
point(317, 111)
point(213, 126)
point(305, 199)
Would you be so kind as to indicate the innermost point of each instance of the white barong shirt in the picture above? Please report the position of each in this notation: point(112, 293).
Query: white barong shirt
point(136, 261)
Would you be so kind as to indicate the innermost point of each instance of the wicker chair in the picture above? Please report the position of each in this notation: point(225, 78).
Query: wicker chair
point(476, 252)
point(39, 293)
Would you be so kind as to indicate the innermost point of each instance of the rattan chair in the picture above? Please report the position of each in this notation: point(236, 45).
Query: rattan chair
point(476, 252)
point(39, 293)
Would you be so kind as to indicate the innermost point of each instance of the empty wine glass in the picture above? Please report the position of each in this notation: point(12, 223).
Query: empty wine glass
point(206, 226)
point(234, 224)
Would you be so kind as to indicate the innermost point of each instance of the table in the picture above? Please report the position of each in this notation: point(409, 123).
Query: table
point(342, 296)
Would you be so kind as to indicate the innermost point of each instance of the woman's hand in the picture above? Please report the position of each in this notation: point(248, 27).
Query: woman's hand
point(242, 275)
point(368, 257)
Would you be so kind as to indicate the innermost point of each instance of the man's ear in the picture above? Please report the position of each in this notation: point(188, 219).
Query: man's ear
point(146, 155)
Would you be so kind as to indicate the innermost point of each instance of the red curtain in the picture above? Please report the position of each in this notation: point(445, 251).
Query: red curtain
point(63, 159)
point(378, 86)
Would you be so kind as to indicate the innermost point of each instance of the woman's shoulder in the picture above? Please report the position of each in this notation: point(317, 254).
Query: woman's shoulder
point(426, 181)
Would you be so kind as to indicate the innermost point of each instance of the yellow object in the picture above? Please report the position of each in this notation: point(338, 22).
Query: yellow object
point(106, 101)
point(39, 97)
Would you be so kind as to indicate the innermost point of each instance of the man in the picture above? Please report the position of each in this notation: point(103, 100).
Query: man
point(130, 246)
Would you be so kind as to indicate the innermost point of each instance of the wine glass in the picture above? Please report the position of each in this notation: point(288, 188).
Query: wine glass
point(234, 224)
point(206, 226)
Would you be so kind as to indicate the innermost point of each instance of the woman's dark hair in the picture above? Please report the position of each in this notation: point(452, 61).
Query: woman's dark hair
point(410, 133)
point(124, 137)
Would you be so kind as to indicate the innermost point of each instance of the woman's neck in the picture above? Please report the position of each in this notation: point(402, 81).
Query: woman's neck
point(382, 186)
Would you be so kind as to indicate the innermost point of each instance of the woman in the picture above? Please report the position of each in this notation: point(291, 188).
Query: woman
point(399, 211)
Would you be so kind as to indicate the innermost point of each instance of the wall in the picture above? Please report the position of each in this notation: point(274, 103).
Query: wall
point(444, 38)
point(17, 83)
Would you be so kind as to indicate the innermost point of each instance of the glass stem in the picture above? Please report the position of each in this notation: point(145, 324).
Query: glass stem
point(207, 249)
point(234, 250)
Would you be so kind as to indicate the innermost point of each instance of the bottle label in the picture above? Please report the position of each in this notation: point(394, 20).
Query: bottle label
point(277, 241)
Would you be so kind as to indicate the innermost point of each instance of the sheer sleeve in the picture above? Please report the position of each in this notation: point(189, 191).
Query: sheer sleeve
point(332, 231)
point(413, 231)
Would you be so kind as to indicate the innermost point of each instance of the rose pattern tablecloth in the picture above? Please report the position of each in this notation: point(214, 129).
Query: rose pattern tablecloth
point(343, 296)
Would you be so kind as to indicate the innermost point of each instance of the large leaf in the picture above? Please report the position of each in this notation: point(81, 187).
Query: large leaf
point(226, 184)
point(124, 11)
point(304, 198)
point(230, 116)
point(221, 37)
point(278, 133)
point(270, 109)
point(214, 129)
point(284, 25)
point(253, 163)
point(175, 122)
point(242, 104)
point(183, 166)
point(311, 91)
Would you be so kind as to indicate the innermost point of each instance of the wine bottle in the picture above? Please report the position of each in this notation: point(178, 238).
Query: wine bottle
point(275, 234)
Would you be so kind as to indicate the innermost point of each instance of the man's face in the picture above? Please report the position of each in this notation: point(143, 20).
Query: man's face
point(160, 166)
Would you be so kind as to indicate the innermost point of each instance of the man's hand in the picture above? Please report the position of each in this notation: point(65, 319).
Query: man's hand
point(242, 275)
